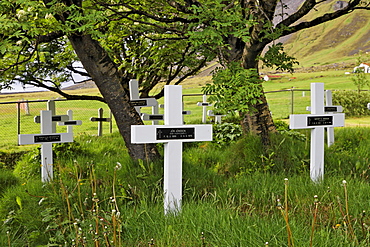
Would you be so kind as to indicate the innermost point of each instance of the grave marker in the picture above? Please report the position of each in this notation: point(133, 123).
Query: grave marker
point(157, 117)
point(330, 108)
point(100, 119)
point(137, 102)
point(317, 121)
point(173, 133)
point(217, 116)
point(46, 139)
point(204, 104)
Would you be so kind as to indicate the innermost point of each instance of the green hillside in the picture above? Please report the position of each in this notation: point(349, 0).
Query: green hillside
point(336, 41)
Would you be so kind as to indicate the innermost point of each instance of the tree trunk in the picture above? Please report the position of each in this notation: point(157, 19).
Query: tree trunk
point(259, 121)
point(108, 79)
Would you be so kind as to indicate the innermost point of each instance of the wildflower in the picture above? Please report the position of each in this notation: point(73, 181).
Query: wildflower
point(118, 166)
point(20, 13)
point(316, 199)
point(279, 205)
point(337, 226)
point(48, 16)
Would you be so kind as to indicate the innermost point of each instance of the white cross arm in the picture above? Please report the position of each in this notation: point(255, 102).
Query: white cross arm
point(163, 133)
point(211, 114)
point(26, 139)
point(310, 121)
point(55, 118)
point(333, 108)
point(151, 117)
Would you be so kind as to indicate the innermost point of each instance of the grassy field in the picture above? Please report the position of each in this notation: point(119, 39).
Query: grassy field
point(233, 195)
point(281, 103)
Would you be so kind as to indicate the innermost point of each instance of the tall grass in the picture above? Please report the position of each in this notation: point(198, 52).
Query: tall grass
point(234, 195)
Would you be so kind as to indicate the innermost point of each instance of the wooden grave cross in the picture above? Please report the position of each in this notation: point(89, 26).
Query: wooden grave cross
point(46, 139)
point(138, 102)
point(100, 119)
point(204, 104)
point(173, 133)
point(317, 121)
point(217, 116)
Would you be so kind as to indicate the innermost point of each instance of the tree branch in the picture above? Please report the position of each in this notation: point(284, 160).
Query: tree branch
point(38, 83)
point(306, 7)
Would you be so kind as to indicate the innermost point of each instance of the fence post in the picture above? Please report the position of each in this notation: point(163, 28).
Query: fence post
point(100, 123)
point(292, 101)
point(51, 107)
point(18, 121)
point(110, 123)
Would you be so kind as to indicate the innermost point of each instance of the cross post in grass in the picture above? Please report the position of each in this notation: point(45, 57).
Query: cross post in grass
point(173, 133)
point(317, 121)
point(46, 139)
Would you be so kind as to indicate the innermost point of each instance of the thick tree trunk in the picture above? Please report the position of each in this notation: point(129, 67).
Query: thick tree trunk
point(259, 121)
point(108, 79)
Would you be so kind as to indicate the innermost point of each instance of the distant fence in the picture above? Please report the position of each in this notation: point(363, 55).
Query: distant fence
point(17, 117)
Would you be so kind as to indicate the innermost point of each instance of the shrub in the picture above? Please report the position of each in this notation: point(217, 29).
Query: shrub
point(353, 102)
point(226, 133)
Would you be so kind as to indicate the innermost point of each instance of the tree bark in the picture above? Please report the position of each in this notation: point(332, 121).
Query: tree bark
point(114, 88)
point(259, 121)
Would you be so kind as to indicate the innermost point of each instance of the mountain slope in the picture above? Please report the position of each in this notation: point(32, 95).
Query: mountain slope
point(332, 42)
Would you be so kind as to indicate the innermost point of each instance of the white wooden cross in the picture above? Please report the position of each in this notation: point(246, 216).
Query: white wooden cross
point(46, 139)
point(173, 133)
point(317, 121)
point(100, 119)
point(217, 116)
point(329, 108)
point(142, 102)
point(204, 104)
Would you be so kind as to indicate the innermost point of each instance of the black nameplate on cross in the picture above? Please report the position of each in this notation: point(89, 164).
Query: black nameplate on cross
point(138, 102)
point(99, 119)
point(155, 117)
point(330, 109)
point(175, 133)
point(47, 138)
point(319, 120)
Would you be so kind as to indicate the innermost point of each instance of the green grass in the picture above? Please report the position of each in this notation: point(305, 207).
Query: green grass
point(280, 104)
point(230, 195)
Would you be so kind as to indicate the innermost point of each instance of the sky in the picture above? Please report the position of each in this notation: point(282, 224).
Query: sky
point(19, 88)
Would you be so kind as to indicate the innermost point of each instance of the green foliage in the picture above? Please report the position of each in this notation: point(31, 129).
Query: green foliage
point(67, 150)
point(234, 89)
point(353, 102)
point(360, 78)
point(7, 179)
point(226, 133)
point(101, 195)
point(349, 153)
point(216, 21)
point(29, 165)
point(276, 56)
point(283, 128)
